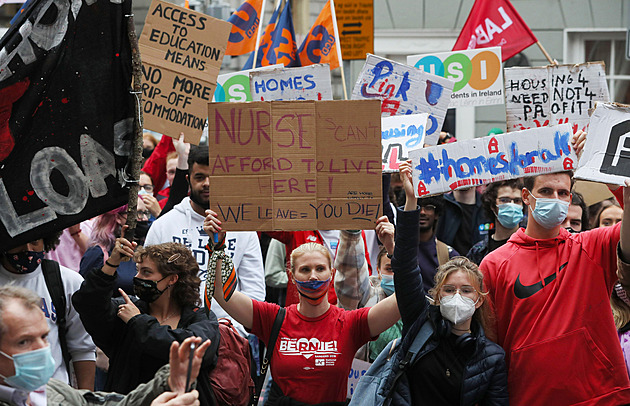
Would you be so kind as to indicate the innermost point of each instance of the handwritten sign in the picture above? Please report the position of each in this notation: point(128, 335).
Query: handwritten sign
point(400, 134)
point(606, 156)
point(234, 86)
point(489, 159)
point(542, 96)
point(295, 165)
point(182, 51)
point(405, 90)
point(477, 74)
point(358, 369)
point(307, 83)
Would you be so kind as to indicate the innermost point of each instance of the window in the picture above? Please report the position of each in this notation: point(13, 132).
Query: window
point(602, 45)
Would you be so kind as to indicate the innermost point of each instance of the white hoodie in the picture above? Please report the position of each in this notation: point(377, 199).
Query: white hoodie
point(182, 224)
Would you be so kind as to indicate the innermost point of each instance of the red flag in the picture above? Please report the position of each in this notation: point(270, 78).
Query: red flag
point(246, 21)
point(320, 45)
point(493, 23)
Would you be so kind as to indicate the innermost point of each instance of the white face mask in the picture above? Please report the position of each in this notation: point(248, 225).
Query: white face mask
point(457, 308)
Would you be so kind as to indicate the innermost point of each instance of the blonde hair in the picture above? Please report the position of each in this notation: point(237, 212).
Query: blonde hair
point(474, 276)
point(308, 248)
point(620, 310)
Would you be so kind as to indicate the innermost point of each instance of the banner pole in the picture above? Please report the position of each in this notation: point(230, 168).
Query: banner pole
point(339, 57)
point(259, 32)
point(136, 151)
point(544, 51)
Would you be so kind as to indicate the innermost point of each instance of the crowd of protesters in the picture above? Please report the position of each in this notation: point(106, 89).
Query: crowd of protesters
point(519, 297)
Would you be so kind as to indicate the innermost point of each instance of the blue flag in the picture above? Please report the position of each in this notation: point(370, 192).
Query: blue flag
point(278, 41)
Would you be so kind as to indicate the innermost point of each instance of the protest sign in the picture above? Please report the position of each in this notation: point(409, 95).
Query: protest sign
point(295, 165)
point(234, 86)
point(606, 156)
point(550, 95)
point(358, 369)
point(66, 117)
point(484, 160)
point(405, 90)
point(401, 134)
point(477, 74)
point(182, 51)
point(306, 83)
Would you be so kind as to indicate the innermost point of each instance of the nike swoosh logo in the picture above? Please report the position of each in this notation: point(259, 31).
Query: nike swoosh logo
point(523, 292)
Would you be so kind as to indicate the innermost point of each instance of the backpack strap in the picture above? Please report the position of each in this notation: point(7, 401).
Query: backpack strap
point(52, 277)
point(275, 330)
point(442, 252)
point(410, 357)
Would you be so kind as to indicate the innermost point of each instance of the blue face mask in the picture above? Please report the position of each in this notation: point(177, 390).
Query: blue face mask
point(549, 213)
point(387, 283)
point(33, 369)
point(509, 215)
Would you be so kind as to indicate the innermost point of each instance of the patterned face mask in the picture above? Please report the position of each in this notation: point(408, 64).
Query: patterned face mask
point(25, 261)
point(313, 291)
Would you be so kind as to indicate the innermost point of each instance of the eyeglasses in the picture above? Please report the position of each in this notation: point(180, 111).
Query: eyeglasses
point(429, 208)
point(466, 290)
point(148, 188)
point(506, 200)
point(144, 214)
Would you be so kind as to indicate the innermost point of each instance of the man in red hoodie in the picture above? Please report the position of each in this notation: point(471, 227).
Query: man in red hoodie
point(550, 292)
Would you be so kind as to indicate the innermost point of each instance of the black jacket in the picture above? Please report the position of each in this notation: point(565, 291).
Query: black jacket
point(451, 219)
point(485, 375)
point(136, 350)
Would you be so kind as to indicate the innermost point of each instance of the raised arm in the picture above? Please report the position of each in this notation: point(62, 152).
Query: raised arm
point(352, 279)
point(239, 306)
point(623, 272)
point(407, 278)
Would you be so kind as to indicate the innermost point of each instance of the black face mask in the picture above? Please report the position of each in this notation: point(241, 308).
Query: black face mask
point(147, 290)
point(142, 228)
point(146, 152)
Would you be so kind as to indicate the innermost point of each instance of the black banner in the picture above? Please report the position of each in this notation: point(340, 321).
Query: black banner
point(66, 116)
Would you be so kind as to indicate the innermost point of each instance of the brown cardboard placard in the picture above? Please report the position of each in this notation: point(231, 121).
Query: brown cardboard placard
point(182, 51)
point(295, 165)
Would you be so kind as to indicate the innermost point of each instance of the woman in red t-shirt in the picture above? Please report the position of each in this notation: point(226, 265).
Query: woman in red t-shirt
point(317, 341)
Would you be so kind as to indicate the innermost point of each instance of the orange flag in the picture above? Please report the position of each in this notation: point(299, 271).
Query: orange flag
point(245, 22)
point(320, 45)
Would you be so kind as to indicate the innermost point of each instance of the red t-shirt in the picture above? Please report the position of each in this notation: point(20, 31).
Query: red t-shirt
point(313, 356)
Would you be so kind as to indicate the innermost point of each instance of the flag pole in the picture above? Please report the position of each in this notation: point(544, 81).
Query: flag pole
point(259, 32)
point(544, 51)
point(339, 58)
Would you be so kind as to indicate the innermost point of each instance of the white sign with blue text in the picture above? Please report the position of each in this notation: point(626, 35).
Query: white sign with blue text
point(234, 86)
point(403, 90)
point(306, 83)
point(399, 135)
point(477, 74)
point(484, 160)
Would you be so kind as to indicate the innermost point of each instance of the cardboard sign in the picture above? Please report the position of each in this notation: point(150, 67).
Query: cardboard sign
point(307, 83)
point(477, 74)
point(606, 156)
point(401, 134)
point(358, 369)
point(550, 95)
point(234, 86)
point(295, 165)
point(475, 162)
point(182, 51)
point(405, 90)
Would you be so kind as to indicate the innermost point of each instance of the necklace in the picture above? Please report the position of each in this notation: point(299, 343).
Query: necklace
point(172, 314)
